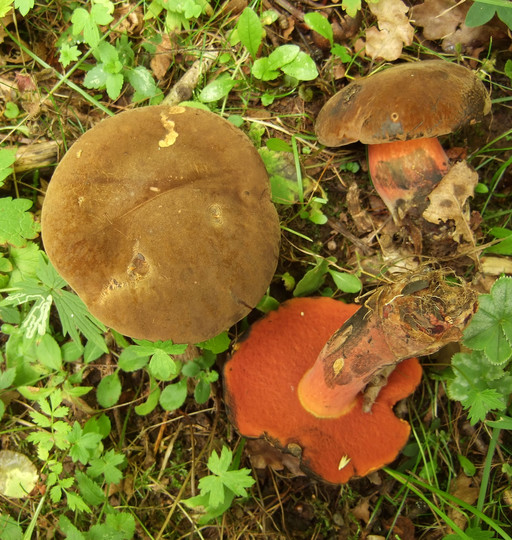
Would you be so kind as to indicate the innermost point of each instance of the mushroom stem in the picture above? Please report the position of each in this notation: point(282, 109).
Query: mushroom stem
point(412, 317)
point(405, 172)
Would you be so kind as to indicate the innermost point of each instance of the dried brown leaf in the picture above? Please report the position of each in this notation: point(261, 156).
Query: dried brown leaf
point(463, 489)
point(161, 62)
point(444, 19)
point(394, 30)
point(448, 201)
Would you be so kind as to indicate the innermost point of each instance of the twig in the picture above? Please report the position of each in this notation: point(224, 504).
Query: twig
point(182, 90)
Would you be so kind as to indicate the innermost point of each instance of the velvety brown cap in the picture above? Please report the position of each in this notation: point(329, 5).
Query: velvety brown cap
point(406, 101)
point(160, 219)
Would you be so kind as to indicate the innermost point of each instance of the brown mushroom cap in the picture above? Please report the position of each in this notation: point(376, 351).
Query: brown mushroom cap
point(407, 101)
point(160, 219)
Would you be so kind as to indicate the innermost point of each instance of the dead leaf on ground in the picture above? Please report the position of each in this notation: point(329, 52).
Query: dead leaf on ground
point(463, 489)
point(403, 528)
point(362, 510)
point(394, 30)
point(448, 201)
point(162, 59)
point(444, 19)
point(262, 455)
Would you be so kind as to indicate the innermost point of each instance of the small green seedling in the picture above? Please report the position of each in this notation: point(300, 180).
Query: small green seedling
point(220, 488)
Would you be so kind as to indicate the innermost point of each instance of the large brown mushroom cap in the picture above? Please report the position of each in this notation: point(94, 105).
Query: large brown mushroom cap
point(160, 219)
point(407, 101)
point(261, 382)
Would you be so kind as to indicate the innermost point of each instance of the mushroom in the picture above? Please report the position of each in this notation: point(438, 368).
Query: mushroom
point(399, 113)
point(261, 381)
point(298, 379)
point(160, 219)
point(414, 316)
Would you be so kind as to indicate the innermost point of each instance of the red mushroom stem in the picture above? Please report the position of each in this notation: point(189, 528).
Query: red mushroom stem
point(405, 172)
point(409, 318)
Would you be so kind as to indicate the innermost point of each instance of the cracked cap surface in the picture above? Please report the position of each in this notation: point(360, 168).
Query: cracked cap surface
point(160, 219)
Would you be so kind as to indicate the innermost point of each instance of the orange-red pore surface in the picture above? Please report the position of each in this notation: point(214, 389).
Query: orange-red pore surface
point(261, 382)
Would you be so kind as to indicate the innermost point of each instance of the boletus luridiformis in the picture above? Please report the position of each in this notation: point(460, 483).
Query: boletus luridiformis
point(160, 218)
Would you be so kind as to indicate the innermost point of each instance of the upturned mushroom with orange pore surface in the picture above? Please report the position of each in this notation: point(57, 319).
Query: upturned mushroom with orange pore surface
point(414, 316)
point(399, 113)
point(264, 375)
point(261, 381)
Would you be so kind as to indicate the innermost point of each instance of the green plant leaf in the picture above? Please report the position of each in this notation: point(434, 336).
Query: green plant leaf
point(68, 54)
point(49, 353)
point(17, 225)
point(320, 24)
point(114, 85)
point(346, 282)
point(302, 67)
point(218, 344)
point(24, 6)
point(96, 77)
point(152, 400)
point(109, 390)
point(479, 14)
point(162, 367)
point(490, 329)
point(250, 31)
point(173, 396)
point(351, 7)
point(108, 466)
point(7, 159)
point(89, 489)
point(143, 83)
point(202, 391)
point(313, 279)
point(505, 246)
point(217, 89)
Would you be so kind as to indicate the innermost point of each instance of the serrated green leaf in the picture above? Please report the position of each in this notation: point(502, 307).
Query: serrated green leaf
point(143, 83)
point(76, 503)
point(108, 466)
point(68, 54)
point(351, 7)
point(162, 367)
point(218, 344)
point(173, 396)
point(320, 24)
point(250, 31)
point(17, 225)
point(71, 532)
point(89, 489)
point(114, 85)
point(490, 329)
point(109, 390)
point(25, 261)
point(96, 77)
point(24, 6)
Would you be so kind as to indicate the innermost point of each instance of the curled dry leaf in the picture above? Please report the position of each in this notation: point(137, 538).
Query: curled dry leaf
point(394, 30)
point(464, 490)
point(444, 19)
point(448, 201)
point(262, 455)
